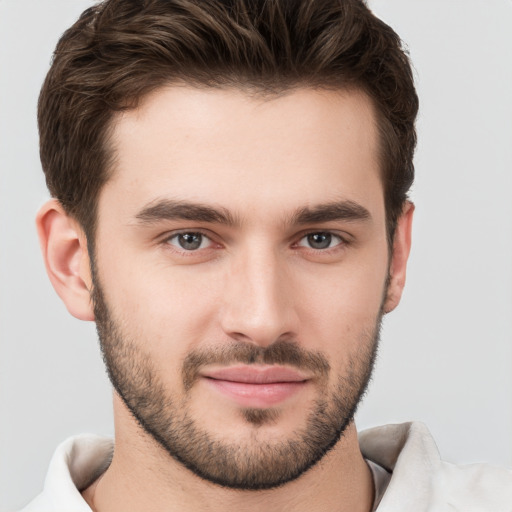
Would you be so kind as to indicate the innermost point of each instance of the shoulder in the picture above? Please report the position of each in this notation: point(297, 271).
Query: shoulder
point(474, 487)
point(76, 463)
point(423, 482)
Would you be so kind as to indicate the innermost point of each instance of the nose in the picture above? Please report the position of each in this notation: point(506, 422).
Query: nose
point(258, 299)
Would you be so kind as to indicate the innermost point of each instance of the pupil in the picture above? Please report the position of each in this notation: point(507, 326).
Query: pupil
point(320, 240)
point(190, 241)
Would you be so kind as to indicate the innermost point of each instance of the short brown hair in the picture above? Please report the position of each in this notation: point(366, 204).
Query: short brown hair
point(120, 50)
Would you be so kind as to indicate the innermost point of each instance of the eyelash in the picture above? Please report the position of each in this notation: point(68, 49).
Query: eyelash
point(181, 250)
point(342, 241)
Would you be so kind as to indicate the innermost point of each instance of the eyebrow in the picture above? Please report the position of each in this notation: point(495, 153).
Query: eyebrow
point(168, 209)
point(345, 210)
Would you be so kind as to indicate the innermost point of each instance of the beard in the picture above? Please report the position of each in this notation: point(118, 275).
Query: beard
point(251, 464)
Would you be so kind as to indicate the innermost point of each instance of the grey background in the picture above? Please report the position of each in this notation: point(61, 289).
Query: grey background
point(446, 356)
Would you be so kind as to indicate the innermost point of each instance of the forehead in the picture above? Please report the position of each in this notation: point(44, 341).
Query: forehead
point(244, 151)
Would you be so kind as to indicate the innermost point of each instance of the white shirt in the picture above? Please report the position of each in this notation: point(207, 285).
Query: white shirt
point(420, 480)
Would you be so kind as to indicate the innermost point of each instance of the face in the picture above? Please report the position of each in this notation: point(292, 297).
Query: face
point(240, 275)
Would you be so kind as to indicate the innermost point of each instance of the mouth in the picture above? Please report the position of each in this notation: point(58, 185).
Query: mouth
point(256, 386)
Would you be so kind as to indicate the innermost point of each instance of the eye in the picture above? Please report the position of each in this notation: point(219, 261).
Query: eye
point(189, 241)
point(320, 240)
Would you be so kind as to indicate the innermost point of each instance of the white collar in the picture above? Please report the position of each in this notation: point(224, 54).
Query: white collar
point(420, 480)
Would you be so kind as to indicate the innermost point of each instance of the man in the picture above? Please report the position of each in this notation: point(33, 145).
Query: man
point(230, 207)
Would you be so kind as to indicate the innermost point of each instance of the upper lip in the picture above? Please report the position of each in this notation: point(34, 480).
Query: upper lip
point(256, 374)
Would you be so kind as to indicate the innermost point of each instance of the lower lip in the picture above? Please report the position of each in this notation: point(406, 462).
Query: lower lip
point(257, 395)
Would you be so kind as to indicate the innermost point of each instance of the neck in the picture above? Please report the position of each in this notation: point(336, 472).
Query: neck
point(143, 477)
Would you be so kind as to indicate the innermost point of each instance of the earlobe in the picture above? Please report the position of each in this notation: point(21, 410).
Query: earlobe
point(399, 257)
point(64, 248)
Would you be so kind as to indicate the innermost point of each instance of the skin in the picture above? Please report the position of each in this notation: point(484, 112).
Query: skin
point(255, 280)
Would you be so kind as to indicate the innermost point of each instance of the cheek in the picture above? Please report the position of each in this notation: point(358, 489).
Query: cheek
point(346, 300)
point(168, 309)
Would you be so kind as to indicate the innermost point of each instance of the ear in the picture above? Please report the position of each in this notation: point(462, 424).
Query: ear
point(399, 257)
point(64, 248)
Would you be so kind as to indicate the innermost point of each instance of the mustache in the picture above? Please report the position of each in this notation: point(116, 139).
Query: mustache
point(279, 353)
